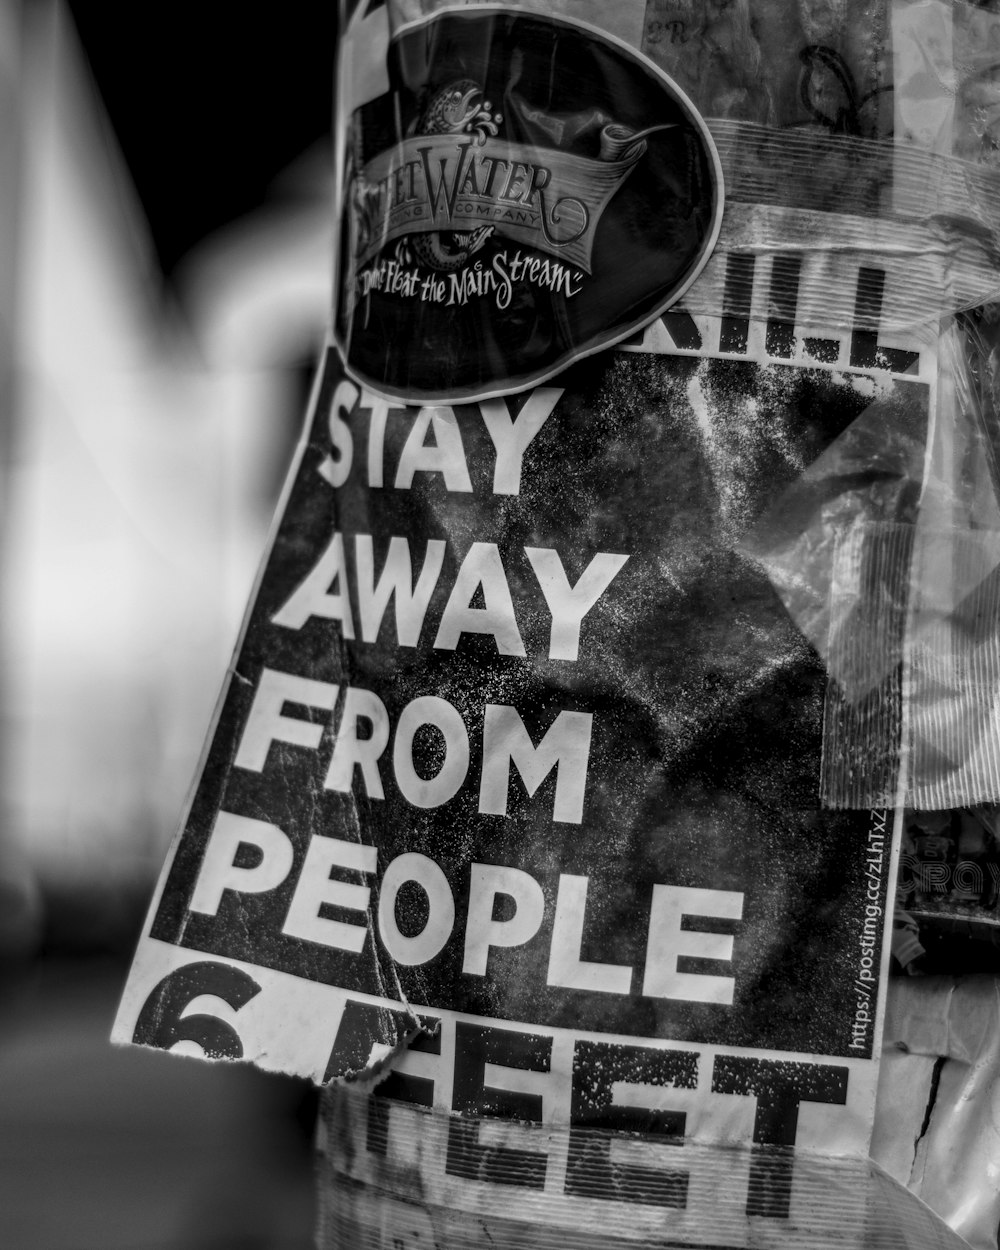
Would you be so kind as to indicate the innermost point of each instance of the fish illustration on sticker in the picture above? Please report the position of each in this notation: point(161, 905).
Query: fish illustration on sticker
point(528, 192)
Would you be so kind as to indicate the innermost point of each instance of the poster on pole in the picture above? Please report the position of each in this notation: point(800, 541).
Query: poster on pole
point(512, 804)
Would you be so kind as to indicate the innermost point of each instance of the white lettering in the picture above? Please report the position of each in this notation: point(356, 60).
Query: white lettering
point(511, 437)
point(566, 968)
point(337, 470)
point(266, 722)
point(445, 455)
point(486, 881)
point(316, 888)
point(350, 751)
point(565, 747)
point(570, 604)
point(482, 567)
point(315, 596)
point(379, 410)
point(668, 941)
point(219, 871)
point(447, 781)
point(431, 940)
point(395, 581)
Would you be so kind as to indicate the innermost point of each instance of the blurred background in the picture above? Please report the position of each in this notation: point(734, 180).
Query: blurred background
point(165, 240)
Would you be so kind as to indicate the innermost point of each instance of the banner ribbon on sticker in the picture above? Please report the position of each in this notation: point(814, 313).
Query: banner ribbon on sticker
point(548, 200)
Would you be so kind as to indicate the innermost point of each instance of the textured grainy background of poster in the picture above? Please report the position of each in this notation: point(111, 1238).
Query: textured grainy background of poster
point(700, 700)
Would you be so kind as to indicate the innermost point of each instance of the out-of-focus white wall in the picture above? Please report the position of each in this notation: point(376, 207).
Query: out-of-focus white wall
point(19, 903)
point(144, 437)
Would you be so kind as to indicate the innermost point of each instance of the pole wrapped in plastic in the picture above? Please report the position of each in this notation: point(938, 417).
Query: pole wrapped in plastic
point(630, 589)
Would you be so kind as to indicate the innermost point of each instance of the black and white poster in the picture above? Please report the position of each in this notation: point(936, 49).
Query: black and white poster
point(514, 784)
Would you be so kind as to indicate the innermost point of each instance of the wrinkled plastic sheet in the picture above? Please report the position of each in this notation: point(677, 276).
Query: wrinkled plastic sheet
point(395, 1175)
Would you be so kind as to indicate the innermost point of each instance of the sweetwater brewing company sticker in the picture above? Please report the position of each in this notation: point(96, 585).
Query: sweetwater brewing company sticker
point(527, 191)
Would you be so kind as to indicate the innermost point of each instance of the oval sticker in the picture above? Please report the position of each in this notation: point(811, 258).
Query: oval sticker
point(527, 192)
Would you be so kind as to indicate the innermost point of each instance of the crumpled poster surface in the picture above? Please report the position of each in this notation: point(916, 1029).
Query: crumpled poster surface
point(886, 551)
point(498, 722)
